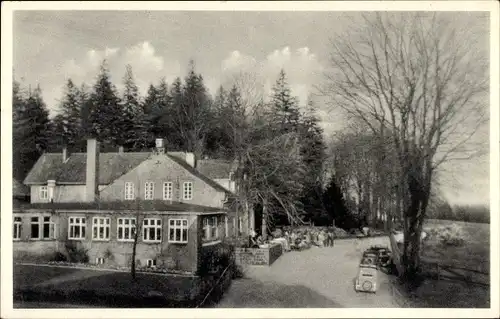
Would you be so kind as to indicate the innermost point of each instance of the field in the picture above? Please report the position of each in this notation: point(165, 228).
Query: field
point(473, 254)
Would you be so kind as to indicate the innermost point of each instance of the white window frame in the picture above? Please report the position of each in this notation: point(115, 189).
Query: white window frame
point(31, 228)
point(81, 223)
point(52, 228)
point(129, 191)
point(18, 228)
point(186, 191)
point(178, 223)
point(156, 224)
point(99, 260)
point(44, 192)
point(149, 192)
point(97, 224)
point(131, 226)
point(211, 223)
point(168, 190)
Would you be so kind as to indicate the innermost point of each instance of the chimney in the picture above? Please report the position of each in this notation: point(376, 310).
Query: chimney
point(92, 174)
point(160, 146)
point(51, 185)
point(64, 154)
point(190, 159)
point(120, 149)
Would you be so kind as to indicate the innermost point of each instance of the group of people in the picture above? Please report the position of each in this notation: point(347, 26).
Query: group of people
point(304, 238)
point(296, 239)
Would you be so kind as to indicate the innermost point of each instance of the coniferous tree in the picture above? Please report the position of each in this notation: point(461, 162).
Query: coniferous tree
point(179, 129)
point(68, 123)
point(284, 106)
point(195, 111)
point(133, 119)
point(166, 116)
point(219, 140)
point(31, 131)
point(313, 154)
point(104, 110)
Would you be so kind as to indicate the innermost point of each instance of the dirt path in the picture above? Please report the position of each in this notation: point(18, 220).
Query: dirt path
point(318, 277)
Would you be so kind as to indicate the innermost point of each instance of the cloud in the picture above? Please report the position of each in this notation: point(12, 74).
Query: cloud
point(237, 61)
point(147, 65)
point(301, 67)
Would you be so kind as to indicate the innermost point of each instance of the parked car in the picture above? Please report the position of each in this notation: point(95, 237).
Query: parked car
point(367, 278)
point(383, 253)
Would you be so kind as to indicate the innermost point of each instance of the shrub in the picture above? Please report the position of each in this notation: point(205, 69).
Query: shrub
point(450, 235)
point(59, 257)
point(76, 254)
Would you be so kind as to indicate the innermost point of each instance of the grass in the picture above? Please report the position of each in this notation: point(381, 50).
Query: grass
point(473, 254)
point(107, 288)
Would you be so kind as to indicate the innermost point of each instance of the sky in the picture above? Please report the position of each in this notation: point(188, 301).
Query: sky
point(53, 46)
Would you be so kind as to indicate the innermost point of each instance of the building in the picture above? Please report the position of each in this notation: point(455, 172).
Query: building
point(180, 207)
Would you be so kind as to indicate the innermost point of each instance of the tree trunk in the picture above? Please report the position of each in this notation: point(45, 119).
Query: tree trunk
point(415, 215)
point(264, 218)
point(134, 250)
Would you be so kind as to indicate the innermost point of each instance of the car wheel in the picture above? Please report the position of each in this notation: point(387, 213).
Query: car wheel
point(367, 285)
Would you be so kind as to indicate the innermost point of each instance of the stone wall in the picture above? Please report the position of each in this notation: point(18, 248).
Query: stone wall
point(258, 256)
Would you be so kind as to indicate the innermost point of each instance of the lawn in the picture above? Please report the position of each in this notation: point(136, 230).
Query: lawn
point(106, 288)
point(473, 254)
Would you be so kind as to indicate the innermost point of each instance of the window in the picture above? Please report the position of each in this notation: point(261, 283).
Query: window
point(149, 190)
point(35, 228)
point(151, 263)
point(48, 228)
point(210, 229)
point(100, 228)
point(126, 229)
point(167, 191)
point(77, 228)
point(178, 231)
point(17, 228)
point(44, 193)
point(151, 229)
point(129, 191)
point(99, 260)
point(187, 193)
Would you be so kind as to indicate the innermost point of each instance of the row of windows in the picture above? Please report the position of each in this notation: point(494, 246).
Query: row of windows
point(40, 228)
point(187, 190)
point(126, 229)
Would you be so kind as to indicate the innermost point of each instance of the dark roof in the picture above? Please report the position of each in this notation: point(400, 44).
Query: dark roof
point(196, 173)
point(18, 189)
point(143, 205)
point(213, 168)
point(111, 166)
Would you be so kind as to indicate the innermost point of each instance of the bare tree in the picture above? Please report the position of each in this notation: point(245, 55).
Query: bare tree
point(418, 79)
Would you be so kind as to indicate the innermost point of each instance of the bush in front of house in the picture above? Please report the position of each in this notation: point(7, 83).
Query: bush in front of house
point(76, 253)
point(59, 257)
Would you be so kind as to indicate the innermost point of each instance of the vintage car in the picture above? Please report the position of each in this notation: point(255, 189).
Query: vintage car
point(383, 254)
point(367, 277)
point(369, 258)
